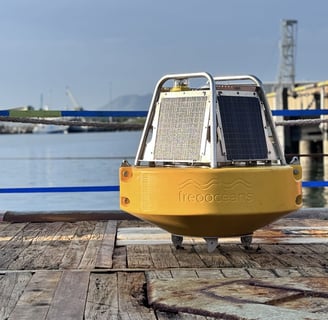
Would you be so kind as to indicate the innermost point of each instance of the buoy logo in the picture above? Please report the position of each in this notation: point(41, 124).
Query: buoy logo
point(214, 190)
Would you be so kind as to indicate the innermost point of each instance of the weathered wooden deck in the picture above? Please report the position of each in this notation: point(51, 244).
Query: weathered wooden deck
point(129, 270)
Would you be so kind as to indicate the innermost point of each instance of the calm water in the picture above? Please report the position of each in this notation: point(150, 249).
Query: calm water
point(84, 159)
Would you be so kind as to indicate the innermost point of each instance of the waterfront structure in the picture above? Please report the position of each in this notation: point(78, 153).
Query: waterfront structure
point(308, 96)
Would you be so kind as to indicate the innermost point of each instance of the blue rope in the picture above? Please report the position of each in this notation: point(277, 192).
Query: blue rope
point(306, 184)
point(87, 113)
point(314, 184)
point(136, 113)
point(104, 113)
point(60, 189)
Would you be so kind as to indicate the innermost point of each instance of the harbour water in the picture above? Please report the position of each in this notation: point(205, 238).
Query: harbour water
point(46, 160)
point(83, 159)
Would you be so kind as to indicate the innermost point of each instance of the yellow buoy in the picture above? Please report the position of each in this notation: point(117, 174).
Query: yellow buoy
point(209, 163)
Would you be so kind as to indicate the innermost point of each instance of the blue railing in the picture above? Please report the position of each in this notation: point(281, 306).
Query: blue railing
point(60, 189)
point(299, 113)
point(89, 113)
point(70, 113)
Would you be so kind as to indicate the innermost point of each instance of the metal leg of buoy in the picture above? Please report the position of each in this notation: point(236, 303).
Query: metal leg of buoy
point(177, 241)
point(212, 244)
point(246, 241)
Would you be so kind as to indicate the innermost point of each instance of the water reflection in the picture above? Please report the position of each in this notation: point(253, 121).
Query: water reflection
point(313, 170)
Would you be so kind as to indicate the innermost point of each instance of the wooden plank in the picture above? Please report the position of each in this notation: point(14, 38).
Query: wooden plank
point(102, 299)
point(36, 248)
point(313, 254)
point(296, 249)
point(158, 274)
point(238, 256)
point(133, 224)
point(188, 257)
point(210, 273)
point(138, 256)
point(147, 235)
point(184, 273)
point(261, 273)
point(12, 286)
point(312, 271)
point(131, 297)
point(286, 272)
point(321, 249)
point(52, 256)
point(265, 258)
point(235, 273)
point(214, 259)
point(78, 244)
point(90, 255)
point(37, 296)
point(66, 216)
point(3, 225)
point(119, 258)
point(163, 257)
point(70, 297)
point(8, 231)
point(15, 246)
point(105, 253)
point(292, 255)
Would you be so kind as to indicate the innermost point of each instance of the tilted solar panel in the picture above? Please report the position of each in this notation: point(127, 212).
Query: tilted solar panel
point(242, 128)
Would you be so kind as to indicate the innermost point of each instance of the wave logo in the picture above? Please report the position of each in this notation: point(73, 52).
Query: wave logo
point(214, 190)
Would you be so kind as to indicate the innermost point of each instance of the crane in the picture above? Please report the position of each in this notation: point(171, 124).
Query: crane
point(286, 72)
point(286, 76)
point(77, 107)
point(75, 103)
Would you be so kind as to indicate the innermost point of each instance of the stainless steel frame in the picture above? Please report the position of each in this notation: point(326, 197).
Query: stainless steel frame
point(214, 122)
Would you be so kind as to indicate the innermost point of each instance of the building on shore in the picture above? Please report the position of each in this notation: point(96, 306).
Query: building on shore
point(310, 141)
point(309, 96)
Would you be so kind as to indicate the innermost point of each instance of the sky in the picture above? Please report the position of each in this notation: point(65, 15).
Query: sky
point(102, 49)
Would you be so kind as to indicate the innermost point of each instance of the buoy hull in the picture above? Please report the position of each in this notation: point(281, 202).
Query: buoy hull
point(210, 202)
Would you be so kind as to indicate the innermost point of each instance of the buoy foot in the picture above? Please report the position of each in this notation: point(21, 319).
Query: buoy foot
point(246, 241)
point(212, 244)
point(177, 241)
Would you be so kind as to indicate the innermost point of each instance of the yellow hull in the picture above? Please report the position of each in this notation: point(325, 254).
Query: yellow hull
point(210, 202)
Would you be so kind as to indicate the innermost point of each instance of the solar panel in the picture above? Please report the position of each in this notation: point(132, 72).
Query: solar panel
point(180, 126)
point(242, 128)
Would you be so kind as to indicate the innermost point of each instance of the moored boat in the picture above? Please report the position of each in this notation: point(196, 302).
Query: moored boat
point(49, 128)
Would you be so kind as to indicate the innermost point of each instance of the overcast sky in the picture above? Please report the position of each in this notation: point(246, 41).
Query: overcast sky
point(102, 49)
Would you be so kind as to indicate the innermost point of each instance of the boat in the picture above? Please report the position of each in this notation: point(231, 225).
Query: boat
point(49, 128)
point(209, 163)
point(43, 128)
point(77, 128)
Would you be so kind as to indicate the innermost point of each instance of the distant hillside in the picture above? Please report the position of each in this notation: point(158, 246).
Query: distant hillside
point(142, 102)
point(130, 102)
